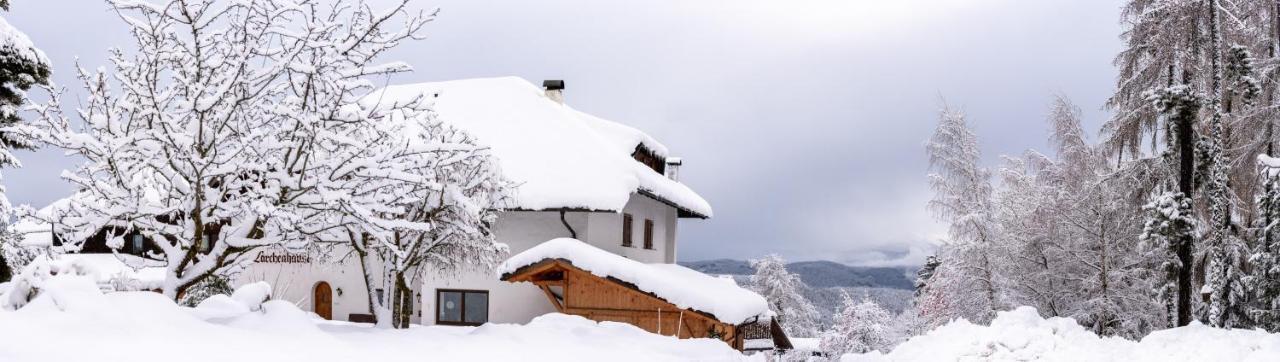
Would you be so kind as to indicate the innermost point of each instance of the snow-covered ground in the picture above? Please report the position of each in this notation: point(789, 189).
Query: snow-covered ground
point(1022, 335)
point(71, 320)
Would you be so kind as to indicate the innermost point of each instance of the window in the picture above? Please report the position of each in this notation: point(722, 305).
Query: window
point(648, 234)
point(626, 229)
point(136, 244)
point(462, 307)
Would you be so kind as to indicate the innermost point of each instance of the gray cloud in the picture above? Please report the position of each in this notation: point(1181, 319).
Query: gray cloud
point(801, 121)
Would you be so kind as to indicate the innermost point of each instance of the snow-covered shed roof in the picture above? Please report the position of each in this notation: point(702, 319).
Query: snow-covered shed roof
point(560, 157)
point(684, 287)
point(33, 231)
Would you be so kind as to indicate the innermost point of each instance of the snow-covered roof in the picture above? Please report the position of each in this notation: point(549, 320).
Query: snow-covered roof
point(135, 273)
point(35, 232)
point(560, 157)
point(684, 287)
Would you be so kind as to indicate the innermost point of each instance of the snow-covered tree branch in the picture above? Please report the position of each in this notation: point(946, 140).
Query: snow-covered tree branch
point(222, 132)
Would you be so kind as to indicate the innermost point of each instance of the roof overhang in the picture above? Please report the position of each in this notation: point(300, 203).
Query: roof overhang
point(681, 212)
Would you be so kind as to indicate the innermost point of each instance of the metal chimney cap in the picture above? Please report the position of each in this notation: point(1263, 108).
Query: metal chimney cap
point(553, 84)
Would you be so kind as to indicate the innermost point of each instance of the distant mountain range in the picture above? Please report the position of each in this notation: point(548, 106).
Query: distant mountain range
point(820, 274)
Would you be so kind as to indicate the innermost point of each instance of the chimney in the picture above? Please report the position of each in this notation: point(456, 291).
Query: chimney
point(555, 90)
point(673, 168)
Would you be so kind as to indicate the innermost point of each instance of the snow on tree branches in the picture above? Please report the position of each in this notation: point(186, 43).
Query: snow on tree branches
point(782, 289)
point(860, 327)
point(233, 127)
point(22, 66)
point(962, 198)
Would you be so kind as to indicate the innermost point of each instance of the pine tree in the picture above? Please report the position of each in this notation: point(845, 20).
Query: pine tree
point(1168, 222)
point(1223, 252)
point(782, 289)
point(926, 271)
point(1180, 104)
point(1264, 276)
point(22, 66)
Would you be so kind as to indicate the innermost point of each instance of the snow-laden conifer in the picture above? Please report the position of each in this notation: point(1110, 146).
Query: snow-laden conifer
point(22, 66)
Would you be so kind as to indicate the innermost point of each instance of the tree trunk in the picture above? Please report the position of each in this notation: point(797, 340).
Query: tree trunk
point(5, 273)
point(402, 302)
point(362, 252)
point(1186, 168)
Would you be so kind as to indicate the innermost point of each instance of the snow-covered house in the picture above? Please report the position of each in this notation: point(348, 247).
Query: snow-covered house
point(579, 176)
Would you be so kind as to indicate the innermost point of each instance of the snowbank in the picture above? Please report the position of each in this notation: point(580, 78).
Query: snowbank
point(560, 157)
point(71, 320)
point(1022, 335)
point(112, 272)
point(684, 287)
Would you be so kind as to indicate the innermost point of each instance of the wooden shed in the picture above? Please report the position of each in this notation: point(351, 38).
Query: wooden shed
point(574, 289)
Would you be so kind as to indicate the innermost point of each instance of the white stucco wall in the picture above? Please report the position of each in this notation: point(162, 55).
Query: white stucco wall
point(508, 302)
point(606, 231)
point(296, 282)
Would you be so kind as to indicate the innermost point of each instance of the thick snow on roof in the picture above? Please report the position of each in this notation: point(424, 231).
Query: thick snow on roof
point(684, 287)
point(108, 268)
point(34, 231)
point(560, 157)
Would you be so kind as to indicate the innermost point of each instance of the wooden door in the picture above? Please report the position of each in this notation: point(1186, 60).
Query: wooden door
point(323, 300)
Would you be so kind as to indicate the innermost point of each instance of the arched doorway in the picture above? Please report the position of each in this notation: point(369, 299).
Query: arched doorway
point(323, 300)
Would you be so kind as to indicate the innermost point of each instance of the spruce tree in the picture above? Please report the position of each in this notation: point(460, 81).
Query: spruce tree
point(21, 67)
point(1264, 276)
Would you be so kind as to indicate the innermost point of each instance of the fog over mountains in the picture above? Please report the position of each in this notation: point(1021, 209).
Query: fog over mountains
point(891, 287)
point(820, 274)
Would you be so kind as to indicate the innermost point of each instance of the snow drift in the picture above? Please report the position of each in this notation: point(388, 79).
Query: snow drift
point(70, 319)
point(1022, 335)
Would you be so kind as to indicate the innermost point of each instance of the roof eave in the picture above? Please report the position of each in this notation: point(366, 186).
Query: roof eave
point(681, 211)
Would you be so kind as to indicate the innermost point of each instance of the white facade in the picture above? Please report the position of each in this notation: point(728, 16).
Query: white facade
point(507, 302)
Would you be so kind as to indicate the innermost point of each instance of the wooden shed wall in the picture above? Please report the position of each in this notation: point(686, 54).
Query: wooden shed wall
point(604, 299)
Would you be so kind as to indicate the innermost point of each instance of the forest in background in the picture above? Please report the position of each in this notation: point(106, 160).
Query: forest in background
point(1168, 216)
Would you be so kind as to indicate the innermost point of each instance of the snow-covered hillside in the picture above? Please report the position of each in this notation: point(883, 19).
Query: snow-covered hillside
point(1022, 335)
point(72, 321)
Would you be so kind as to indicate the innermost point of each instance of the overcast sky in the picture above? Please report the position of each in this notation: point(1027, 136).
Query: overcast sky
point(801, 121)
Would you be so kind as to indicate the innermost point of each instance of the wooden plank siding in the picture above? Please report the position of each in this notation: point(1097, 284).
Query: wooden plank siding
point(609, 299)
